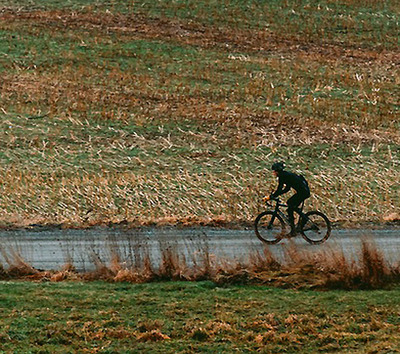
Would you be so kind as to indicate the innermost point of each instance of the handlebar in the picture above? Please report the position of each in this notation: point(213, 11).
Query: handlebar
point(277, 200)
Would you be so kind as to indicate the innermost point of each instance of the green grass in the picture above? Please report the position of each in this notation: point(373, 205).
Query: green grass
point(187, 317)
point(368, 23)
point(143, 111)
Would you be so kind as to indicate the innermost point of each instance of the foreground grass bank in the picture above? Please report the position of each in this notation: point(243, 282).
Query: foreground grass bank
point(188, 317)
point(165, 111)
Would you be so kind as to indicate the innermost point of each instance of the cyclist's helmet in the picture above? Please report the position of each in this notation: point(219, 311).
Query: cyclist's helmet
point(278, 166)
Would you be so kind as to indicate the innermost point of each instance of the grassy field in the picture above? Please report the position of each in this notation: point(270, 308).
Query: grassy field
point(172, 111)
point(194, 317)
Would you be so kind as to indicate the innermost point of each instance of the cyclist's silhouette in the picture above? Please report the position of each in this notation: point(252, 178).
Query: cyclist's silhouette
point(288, 180)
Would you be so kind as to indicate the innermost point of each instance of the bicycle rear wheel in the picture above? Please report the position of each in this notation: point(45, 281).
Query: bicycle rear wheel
point(269, 227)
point(315, 227)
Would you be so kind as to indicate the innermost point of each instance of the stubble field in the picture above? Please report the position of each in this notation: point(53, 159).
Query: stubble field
point(155, 112)
point(163, 112)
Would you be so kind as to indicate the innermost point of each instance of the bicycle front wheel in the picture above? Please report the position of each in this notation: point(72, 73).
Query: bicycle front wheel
point(315, 227)
point(269, 227)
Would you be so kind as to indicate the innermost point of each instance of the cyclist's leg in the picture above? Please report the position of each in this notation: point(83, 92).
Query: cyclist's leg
point(293, 205)
point(298, 210)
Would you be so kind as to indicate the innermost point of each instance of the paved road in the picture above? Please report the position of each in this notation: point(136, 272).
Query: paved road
point(52, 249)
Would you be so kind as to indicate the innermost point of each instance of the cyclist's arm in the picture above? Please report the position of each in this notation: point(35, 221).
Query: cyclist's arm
point(280, 190)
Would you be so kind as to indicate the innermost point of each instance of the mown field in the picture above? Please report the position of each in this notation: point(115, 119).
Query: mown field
point(172, 111)
point(194, 317)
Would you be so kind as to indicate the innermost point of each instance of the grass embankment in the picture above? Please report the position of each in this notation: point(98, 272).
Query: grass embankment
point(192, 317)
point(157, 111)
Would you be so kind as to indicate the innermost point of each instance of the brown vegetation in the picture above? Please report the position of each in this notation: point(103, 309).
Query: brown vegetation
point(99, 129)
point(321, 270)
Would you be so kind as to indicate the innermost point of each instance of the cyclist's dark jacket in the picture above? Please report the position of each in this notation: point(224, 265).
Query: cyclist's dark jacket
point(291, 180)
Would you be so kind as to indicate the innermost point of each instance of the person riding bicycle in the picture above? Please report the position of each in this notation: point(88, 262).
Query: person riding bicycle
point(290, 180)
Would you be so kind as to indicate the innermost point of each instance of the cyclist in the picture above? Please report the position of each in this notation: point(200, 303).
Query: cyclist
point(290, 180)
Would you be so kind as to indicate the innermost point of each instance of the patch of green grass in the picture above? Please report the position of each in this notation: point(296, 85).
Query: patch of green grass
point(368, 23)
point(187, 317)
point(372, 23)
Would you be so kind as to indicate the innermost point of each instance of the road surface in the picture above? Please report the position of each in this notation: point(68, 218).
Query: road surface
point(53, 249)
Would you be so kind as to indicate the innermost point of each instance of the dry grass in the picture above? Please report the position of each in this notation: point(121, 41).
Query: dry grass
point(139, 117)
point(365, 191)
point(322, 270)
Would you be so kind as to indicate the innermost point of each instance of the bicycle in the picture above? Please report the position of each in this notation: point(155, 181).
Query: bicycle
point(271, 225)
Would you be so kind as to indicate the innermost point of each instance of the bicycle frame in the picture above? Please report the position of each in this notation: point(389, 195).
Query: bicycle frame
point(283, 215)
